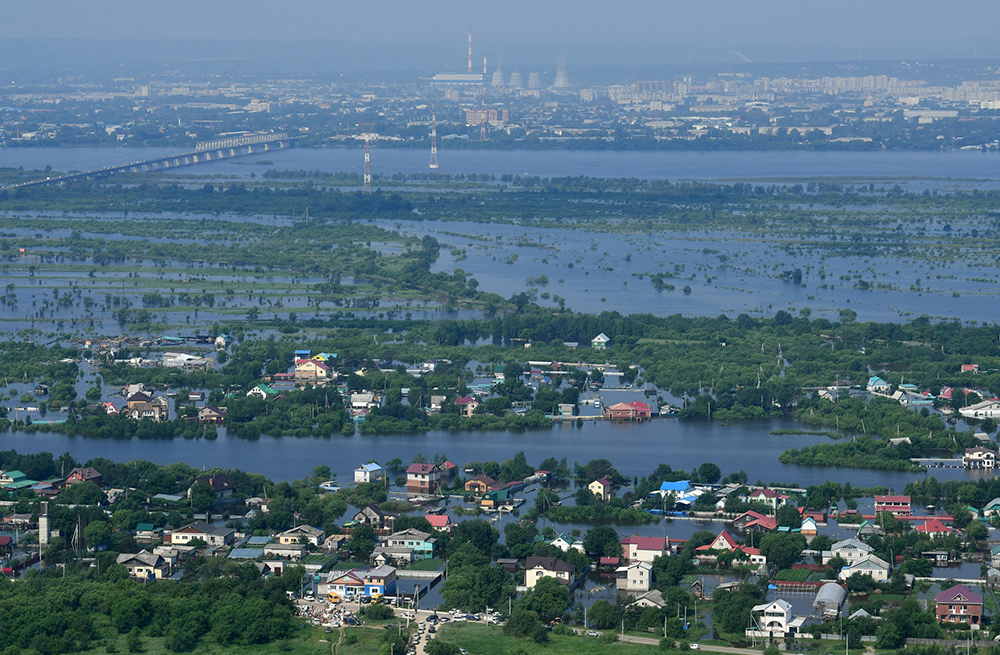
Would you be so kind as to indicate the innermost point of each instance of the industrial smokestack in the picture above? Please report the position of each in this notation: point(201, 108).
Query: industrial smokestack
point(470, 51)
point(484, 66)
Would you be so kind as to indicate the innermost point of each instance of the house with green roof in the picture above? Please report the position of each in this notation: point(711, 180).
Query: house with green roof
point(15, 480)
point(262, 390)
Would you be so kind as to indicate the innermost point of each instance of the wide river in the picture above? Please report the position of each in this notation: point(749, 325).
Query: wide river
point(935, 169)
point(635, 450)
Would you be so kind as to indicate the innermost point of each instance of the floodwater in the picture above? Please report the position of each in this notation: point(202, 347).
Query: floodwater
point(635, 450)
point(941, 170)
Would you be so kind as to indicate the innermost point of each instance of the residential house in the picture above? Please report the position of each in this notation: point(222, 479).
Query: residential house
point(753, 555)
point(653, 598)
point(380, 580)
point(633, 411)
point(600, 342)
point(147, 411)
point(766, 497)
point(643, 549)
point(363, 400)
point(422, 478)
point(41, 389)
point(15, 480)
point(892, 504)
point(345, 583)
point(849, 550)
point(992, 508)
point(995, 557)
point(752, 521)
point(85, 474)
point(602, 488)
point(421, 543)
point(809, 527)
point(302, 534)
point(536, 568)
point(959, 604)
point(212, 535)
point(723, 542)
point(869, 529)
point(369, 472)
point(209, 415)
point(143, 565)
point(933, 528)
point(775, 620)
point(467, 405)
point(495, 498)
point(634, 577)
point(290, 550)
point(436, 403)
point(397, 556)
point(310, 371)
point(870, 565)
point(220, 483)
point(440, 522)
point(985, 409)
point(564, 542)
point(374, 517)
point(136, 398)
point(878, 385)
point(147, 533)
point(970, 368)
point(979, 458)
point(480, 484)
point(262, 390)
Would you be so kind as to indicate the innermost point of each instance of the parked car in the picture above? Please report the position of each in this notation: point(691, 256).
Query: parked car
point(592, 633)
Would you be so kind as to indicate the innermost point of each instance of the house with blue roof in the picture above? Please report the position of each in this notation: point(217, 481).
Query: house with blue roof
point(877, 385)
point(369, 472)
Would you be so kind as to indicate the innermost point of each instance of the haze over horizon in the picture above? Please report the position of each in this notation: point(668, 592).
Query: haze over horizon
point(355, 36)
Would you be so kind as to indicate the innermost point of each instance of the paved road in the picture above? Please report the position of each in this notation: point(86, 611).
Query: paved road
point(703, 647)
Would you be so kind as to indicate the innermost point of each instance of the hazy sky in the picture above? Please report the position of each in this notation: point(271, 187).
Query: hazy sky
point(761, 29)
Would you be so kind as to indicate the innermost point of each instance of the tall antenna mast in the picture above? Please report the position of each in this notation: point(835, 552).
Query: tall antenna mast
point(470, 51)
point(434, 142)
point(368, 136)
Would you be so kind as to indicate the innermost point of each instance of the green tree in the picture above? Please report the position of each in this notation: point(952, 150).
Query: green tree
point(548, 600)
point(782, 549)
point(96, 533)
point(602, 541)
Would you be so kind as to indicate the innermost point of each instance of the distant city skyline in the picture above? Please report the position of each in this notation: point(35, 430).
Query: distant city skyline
point(587, 32)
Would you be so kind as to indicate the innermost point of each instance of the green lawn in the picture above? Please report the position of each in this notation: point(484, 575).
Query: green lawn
point(306, 641)
point(427, 565)
point(490, 640)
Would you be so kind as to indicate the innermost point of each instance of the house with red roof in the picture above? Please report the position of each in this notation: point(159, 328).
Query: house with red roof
point(767, 497)
point(440, 522)
point(752, 554)
point(467, 405)
point(934, 528)
point(970, 368)
point(423, 478)
point(893, 504)
point(633, 411)
point(754, 521)
point(643, 549)
point(959, 604)
point(723, 542)
point(601, 487)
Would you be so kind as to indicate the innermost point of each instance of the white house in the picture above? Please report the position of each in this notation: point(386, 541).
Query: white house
point(600, 342)
point(635, 577)
point(985, 409)
point(564, 542)
point(774, 619)
point(536, 568)
point(871, 565)
point(878, 385)
point(979, 458)
point(850, 550)
point(369, 472)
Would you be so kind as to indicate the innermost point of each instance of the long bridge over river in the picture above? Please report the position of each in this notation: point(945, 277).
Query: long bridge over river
point(206, 151)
